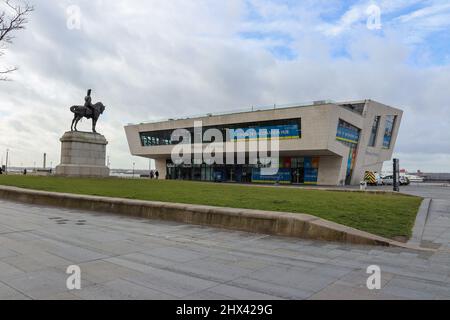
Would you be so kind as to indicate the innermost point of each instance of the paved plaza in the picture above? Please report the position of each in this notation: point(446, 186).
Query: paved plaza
point(130, 258)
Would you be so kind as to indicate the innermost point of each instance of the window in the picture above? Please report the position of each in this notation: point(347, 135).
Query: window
point(390, 124)
point(355, 107)
point(374, 132)
point(347, 133)
point(288, 129)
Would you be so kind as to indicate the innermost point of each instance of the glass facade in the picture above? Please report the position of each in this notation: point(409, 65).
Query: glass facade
point(374, 132)
point(157, 138)
point(293, 170)
point(288, 129)
point(390, 124)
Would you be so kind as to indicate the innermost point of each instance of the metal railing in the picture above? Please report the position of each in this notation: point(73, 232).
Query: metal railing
point(245, 110)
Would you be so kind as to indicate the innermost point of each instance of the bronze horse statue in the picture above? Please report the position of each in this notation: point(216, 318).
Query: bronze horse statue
point(88, 111)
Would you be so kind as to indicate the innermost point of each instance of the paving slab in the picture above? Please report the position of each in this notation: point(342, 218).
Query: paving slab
point(9, 293)
point(133, 258)
point(120, 290)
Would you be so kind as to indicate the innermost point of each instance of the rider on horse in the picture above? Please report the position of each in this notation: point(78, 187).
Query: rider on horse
point(88, 103)
point(88, 110)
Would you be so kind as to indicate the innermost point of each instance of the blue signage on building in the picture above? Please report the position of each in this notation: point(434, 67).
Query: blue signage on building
point(311, 175)
point(285, 132)
point(283, 176)
point(390, 122)
point(347, 133)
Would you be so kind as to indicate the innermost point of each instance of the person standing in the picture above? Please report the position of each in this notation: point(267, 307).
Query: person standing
point(157, 175)
point(152, 174)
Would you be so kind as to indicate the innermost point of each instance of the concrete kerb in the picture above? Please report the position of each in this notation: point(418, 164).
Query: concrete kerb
point(256, 221)
point(421, 221)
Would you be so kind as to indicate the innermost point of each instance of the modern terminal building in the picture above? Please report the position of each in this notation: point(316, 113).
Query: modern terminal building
point(323, 143)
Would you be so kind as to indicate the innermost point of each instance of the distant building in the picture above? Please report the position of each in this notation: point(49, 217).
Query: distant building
point(324, 143)
point(436, 177)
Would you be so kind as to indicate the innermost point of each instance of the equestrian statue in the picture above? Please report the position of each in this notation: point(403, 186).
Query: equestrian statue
point(88, 111)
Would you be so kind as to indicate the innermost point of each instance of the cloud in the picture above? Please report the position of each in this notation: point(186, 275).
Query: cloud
point(425, 13)
point(149, 60)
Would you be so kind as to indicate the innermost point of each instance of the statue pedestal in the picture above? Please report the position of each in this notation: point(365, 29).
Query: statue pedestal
point(83, 154)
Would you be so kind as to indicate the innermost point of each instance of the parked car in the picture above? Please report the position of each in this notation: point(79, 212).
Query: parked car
point(389, 181)
point(404, 181)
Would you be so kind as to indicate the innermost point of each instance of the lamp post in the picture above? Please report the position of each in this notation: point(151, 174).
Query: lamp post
point(150, 168)
point(134, 163)
point(396, 175)
point(6, 166)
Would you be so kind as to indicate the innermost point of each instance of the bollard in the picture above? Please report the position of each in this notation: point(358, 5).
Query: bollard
point(363, 186)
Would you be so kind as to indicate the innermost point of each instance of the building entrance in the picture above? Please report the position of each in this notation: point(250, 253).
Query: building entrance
point(298, 175)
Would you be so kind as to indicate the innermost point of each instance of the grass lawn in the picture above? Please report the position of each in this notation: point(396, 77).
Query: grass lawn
point(386, 215)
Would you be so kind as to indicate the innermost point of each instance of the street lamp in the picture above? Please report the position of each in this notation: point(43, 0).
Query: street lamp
point(7, 155)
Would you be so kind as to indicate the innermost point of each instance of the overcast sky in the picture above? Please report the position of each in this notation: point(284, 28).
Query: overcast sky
point(157, 59)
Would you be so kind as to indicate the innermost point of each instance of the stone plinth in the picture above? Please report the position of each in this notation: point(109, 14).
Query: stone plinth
point(83, 154)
